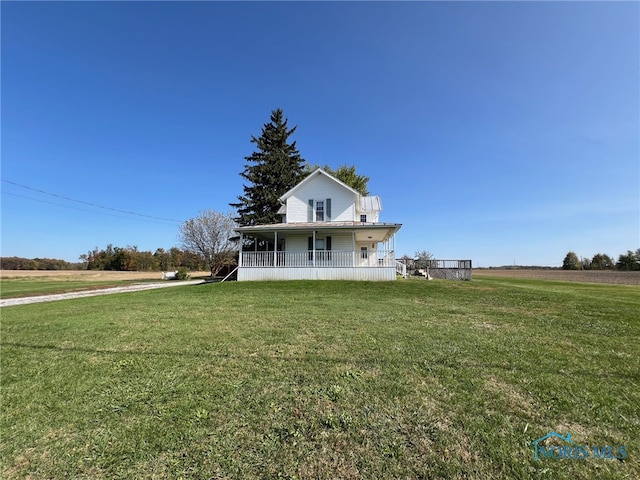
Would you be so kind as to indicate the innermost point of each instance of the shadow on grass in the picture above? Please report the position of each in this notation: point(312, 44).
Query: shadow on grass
point(373, 360)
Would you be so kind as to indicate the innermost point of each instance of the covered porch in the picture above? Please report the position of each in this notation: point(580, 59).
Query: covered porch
point(348, 251)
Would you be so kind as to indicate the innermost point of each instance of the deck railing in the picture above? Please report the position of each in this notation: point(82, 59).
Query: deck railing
point(444, 269)
point(319, 259)
point(401, 269)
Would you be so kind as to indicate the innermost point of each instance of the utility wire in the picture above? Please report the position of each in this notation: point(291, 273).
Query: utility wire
point(81, 209)
point(88, 203)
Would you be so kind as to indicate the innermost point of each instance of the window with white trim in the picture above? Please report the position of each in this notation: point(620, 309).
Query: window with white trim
point(319, 210)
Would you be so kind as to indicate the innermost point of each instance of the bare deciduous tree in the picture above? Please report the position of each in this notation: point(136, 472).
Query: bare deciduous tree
point(211, 236)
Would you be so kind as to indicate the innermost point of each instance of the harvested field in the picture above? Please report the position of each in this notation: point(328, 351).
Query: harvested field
point(90, 275)
point(589, 276)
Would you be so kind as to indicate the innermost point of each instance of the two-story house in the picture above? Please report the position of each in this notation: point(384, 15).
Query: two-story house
point(328, 232)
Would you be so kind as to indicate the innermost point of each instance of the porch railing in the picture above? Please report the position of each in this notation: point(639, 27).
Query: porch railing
point(319, 259)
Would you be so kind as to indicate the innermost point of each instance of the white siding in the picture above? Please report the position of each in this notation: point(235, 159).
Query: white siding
point(370, 274)
point(342, 243)
point(297, 244)
point(371, 216)
point(321, 188)
point(296, 210)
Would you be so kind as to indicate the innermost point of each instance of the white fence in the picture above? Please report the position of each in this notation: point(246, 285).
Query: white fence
point(318, 259)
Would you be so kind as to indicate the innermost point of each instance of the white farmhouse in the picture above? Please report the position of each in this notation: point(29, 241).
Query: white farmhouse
point(328, 231)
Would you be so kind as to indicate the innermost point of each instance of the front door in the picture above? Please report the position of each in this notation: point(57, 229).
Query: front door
point(364, 255)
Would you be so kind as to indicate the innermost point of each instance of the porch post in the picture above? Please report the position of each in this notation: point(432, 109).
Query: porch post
point(240, 252)
point(275, 248)
point(314, 248)
point(353, 241)
point(394, 245)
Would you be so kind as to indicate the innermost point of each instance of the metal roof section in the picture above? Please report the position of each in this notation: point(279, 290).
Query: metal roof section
point(315, 225)
point(370, 204)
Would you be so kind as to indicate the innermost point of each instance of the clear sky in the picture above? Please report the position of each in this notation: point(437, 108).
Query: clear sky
point(504, 132)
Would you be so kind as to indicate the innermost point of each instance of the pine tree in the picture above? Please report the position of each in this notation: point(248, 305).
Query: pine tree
point(271, 171)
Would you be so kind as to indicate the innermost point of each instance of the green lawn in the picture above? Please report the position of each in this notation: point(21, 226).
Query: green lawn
point(407, 379)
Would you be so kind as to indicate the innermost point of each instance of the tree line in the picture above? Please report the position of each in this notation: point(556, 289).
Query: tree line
point(131, 259)
point(115, 258)
point(20, 263)
point(629, 261)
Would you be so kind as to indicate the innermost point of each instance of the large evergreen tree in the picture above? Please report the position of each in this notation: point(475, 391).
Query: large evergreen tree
point(270, 172)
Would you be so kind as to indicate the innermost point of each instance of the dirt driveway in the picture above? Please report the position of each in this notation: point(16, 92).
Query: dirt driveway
point(92, 293)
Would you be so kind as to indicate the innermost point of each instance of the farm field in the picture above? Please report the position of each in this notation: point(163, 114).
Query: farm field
point(22, 283)
point(590, 276)
point(406, 379)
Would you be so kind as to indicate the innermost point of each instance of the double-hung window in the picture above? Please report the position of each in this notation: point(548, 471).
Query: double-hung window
point(319, 210)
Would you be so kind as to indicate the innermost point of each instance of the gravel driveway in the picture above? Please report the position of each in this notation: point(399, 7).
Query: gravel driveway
point(9, 302)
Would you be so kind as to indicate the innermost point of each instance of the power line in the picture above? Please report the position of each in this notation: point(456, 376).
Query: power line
point(80, 209)
point(87, 203)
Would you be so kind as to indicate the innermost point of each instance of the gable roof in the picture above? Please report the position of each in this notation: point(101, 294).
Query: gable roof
point(311, 176)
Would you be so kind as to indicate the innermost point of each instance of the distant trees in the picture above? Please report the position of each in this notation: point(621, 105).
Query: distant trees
point(423, 257)
point(571, 262)
point(273, 169)
point(210, 235)
point(131, 259)
point(601, 261)
point(114, 258)
point(629, 261)
point(19, 263)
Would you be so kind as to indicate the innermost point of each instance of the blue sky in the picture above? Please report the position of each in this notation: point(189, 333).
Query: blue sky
point(504, 132)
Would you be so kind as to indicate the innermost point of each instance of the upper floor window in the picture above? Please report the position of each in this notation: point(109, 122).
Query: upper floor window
point(363, 218)
point(319, 211)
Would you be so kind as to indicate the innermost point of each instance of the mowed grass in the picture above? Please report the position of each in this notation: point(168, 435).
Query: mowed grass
point(407, 379)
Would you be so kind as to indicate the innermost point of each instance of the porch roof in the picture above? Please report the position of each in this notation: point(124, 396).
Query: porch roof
point(377, 231)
